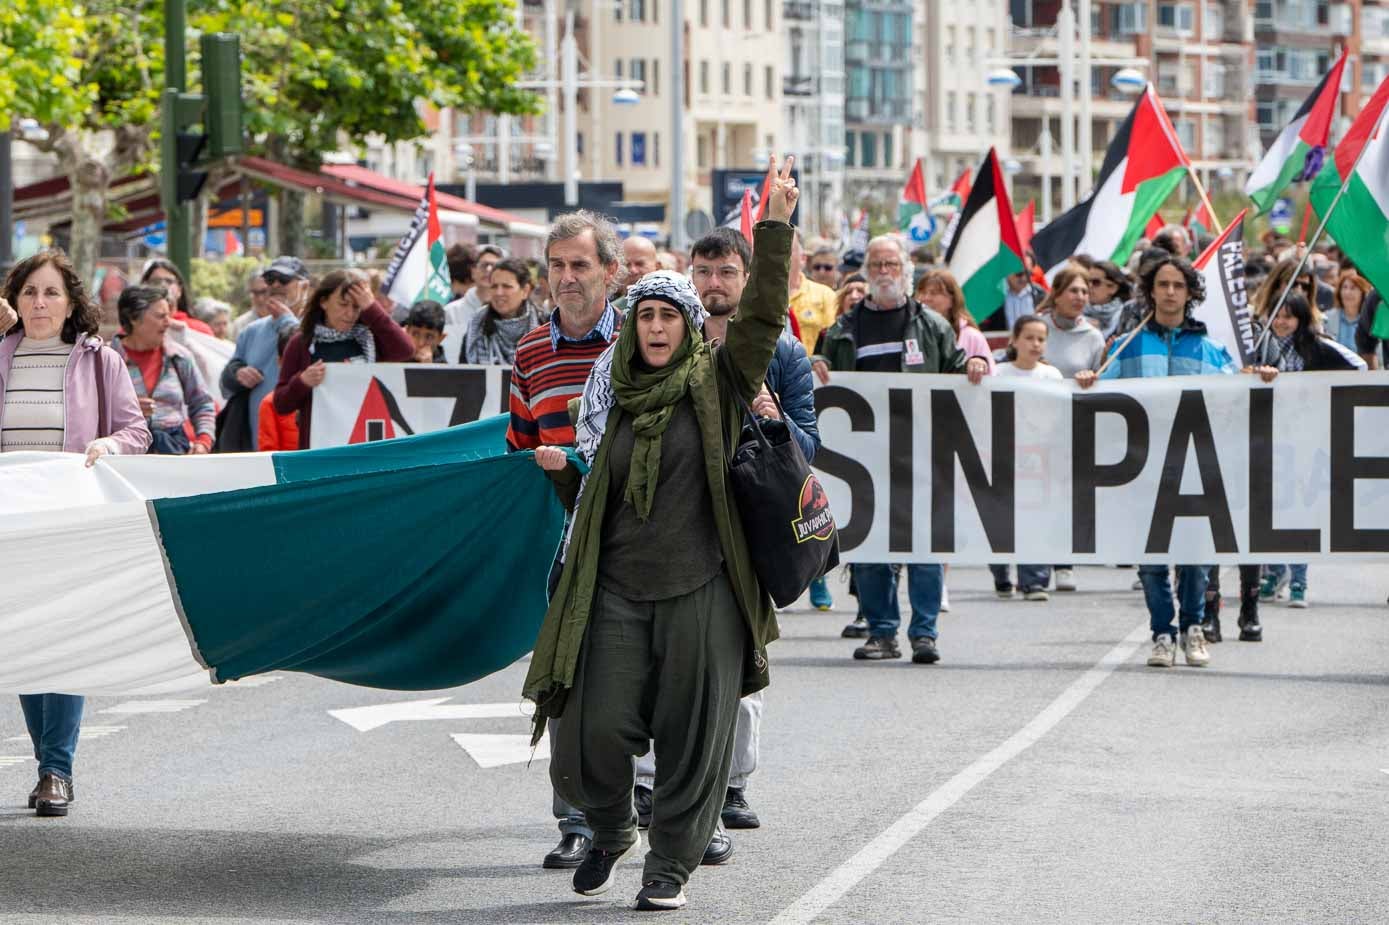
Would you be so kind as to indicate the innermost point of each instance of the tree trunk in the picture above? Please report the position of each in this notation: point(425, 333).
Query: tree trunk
point(291, 223)
point(90, 178)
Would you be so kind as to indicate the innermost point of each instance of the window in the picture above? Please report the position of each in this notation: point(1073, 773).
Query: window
point(704, 77)
point(950, 45)
point(655, 149)
point(1130, 18)
point(655, 76)
point(747, 79)
point(869, 155)
point(747, 15)
point(639, 72)
point(617, 12)
point(767, 14)
point(617, 149)
point(850, 146)
point(704, 12)
point(887, 149)
point(1186, 133)
point(727, 79)
point(971, 49)
point(617, 68)
point(1177, 17)
point(727, 15)
point(1214, 80)
point(702, 151)
point(638, 10)
point(971, 102)
point(655, 11)
point(1266, 117)
point(1213, 21)
point(950, 110)
point(989, 126)
point(769, 75)
point(638, 149)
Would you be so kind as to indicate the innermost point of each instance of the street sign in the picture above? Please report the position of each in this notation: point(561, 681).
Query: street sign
point(728, 186)
point(1280, 216)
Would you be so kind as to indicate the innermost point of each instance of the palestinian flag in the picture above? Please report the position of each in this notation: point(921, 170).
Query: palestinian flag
point(411, 564)
point(419, 268)
point(1225, 311)
point(985, 248)
point(1360, 221)
point(912, 218)
point(1026, 220)
point(950, 201)
point(1298, 151)
point(1144, 164)
point(1154, 226)
point(1199, 220)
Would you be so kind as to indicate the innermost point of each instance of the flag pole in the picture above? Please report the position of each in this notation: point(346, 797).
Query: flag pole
point(1219, 229)
point(1316, 236)
point(1125, 342)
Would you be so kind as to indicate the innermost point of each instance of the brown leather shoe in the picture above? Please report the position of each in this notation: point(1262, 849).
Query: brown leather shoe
point(53, 797)
point(33, 796)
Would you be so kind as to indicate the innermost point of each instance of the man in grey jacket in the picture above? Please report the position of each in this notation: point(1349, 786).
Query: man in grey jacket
point(255, 366)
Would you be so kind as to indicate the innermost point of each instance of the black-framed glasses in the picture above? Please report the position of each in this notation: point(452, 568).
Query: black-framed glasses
point(276, 279)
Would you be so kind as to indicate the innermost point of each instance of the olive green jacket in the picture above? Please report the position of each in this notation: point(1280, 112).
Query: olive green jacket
point(735, 377)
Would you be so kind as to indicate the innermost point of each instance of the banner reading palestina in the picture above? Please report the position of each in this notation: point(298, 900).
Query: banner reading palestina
point(1190, 470)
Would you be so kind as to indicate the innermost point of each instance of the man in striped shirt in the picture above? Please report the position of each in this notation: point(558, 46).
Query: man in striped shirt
point(553, 360)
point(552, 363)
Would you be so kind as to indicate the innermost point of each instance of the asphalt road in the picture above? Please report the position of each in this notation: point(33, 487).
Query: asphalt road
point(1039, 773)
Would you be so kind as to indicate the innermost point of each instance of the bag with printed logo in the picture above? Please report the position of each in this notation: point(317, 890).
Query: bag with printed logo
point(785, 512)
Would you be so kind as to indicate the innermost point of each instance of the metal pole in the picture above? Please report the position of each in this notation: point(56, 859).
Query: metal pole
point(595, 67)
point(1044, 144)
point(6, 200)
point(176, 217)
point(1085, 162)
point(551, 91)
point(569, 77)
point(676, 209)
point(1065, 53)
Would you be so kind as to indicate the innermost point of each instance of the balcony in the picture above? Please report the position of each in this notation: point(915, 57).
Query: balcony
point(799, 10)
point(889, 112)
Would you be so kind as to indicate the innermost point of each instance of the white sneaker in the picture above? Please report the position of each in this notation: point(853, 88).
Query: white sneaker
point(1065, 580)
point(1036, 594)
point(1164, 653)
point(944, 599)
point(1282, 595)
point(1194, 648)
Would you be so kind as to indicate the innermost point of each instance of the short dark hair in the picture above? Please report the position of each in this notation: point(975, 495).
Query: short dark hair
point(518, 268)
point(720, 243)
point(159, 263)
point(426, 313)
point(134, 301)
point(1084, 260)
point(85, 317)
point(461, 258)
point(1165, 239)
point(1118, 277)
point(1195, 286)
point(492, 249)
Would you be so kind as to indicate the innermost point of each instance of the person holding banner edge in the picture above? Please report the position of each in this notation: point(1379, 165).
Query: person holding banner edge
point(1169, 342)
point(891, 332)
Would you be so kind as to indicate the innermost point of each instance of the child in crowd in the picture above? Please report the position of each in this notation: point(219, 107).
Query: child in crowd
point(277, 432)
point(425, 325)
point(1026, 348)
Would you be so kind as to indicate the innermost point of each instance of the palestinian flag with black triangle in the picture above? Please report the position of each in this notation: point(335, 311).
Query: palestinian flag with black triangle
point(986, 248)
point(1144, 164)
point(1299, 150)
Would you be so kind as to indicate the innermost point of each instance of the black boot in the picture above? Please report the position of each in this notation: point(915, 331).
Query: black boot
point(1210, 626)
point(1250, 630)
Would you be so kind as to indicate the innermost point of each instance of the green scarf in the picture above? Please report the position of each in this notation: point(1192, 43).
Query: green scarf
point(651, 395)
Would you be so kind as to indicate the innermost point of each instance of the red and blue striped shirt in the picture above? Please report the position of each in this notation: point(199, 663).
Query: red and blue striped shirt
point(548, 371)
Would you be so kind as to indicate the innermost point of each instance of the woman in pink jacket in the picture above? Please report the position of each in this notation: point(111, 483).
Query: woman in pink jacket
point(61, 390)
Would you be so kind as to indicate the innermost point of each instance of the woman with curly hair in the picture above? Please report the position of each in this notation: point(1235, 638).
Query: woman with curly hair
point(62, 392)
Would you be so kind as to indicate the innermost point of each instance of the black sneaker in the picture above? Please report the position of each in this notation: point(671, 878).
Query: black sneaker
point(641, 798)
point(719, 849)
point(737, 814)
point(878, 648)
point(924, 651)
point(660, 896)
point(1250, 630)
point(595, 874)
point(856, 630)
point(1210, 626)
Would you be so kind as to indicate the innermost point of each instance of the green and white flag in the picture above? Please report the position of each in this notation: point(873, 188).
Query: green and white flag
point(411, 564)
point(419, 267)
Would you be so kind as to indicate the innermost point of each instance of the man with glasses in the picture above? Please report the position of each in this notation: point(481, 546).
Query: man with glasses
point(259, 291)
point(1022, 296)
point(813, 304)
point(889, 332)
point(824, 267)
point(461, 311)
point(255, 366)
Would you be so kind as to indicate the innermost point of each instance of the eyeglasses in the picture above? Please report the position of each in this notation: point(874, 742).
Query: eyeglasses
point(260, 293)
point(1098, 280)
point(884, 266)
point(275, 279)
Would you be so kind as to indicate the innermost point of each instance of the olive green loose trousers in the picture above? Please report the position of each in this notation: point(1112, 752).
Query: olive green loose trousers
point(661, 673)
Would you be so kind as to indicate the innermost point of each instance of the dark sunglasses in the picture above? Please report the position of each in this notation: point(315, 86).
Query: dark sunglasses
point(276, 279)
point(822, 266)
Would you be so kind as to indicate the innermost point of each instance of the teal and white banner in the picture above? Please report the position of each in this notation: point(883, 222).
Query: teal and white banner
point(1191, 470)
point(413, 564)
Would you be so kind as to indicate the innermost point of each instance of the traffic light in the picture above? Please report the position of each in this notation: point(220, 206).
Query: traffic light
point(222, 83)
point(180, 146)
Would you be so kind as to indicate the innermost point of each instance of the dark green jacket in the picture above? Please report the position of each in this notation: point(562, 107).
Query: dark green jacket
point(738, 369)
point(939, 352)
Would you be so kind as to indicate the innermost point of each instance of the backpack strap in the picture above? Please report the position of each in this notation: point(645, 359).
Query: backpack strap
point(103, 419)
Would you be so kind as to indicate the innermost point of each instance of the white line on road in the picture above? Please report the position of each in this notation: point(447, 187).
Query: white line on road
point(873, 855)
point(153, 706)
point(10, 760)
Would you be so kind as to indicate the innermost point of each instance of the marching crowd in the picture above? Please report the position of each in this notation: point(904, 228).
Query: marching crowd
point(649, 673)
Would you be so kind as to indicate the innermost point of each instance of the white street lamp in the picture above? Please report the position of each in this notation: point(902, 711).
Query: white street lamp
point(1129, 80)
point(1003, 77)
point(626, 97)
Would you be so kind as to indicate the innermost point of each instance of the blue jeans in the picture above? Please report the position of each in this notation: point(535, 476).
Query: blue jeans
point(1298, 577)
point(877, 593)
point(1191, 596)
point(1030, 577)
point(53, 721)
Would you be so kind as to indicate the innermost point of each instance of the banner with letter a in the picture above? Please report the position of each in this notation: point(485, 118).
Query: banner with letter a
point(362, 402)
point(1185, 470)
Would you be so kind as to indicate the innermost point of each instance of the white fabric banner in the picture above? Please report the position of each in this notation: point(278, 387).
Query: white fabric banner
point(1191, 470)
point(359, 402)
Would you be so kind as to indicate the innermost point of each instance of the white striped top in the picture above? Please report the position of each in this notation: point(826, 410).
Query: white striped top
point(34, 416)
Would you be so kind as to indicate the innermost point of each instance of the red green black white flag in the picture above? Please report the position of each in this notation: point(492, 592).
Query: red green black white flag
point(1299, 150)
point(985, 249)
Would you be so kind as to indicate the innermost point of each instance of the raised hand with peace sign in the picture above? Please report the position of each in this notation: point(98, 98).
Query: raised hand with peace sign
point(781, 190)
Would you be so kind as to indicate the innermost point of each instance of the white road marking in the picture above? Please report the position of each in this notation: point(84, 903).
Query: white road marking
point(491, 751)
point(878, 851)
point(153, 706)
point(97, 732)
point(365, 719)
point(7, 761)
point(257, 680)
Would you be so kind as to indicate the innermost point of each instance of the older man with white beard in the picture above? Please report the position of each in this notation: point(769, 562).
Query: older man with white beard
point(889, 332)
